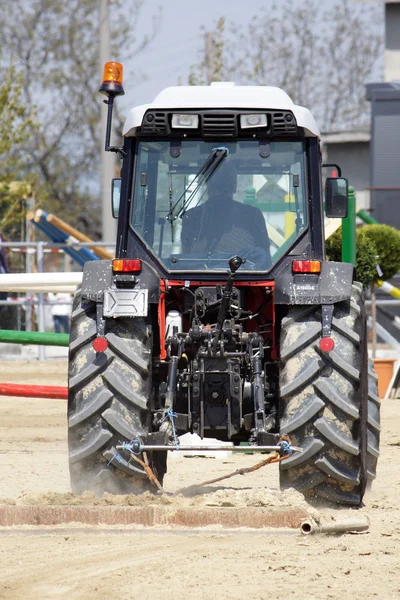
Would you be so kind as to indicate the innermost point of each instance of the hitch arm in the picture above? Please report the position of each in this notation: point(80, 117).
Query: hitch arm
point(234, 263)
point(258, 391)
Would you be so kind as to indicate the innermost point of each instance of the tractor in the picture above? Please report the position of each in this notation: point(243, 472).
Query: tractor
point(220, 314)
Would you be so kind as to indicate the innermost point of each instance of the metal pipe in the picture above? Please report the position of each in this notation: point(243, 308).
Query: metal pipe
point(309, 526)
point(29, 265)
point(384, 302)
point(40, 311)
point(349, 231)
point(152, 448)
point(366, 217)
point(108, 164)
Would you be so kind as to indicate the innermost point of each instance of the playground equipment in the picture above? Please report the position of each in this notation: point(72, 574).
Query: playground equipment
point(74, 233)
point(80, 255)
point(60, 232)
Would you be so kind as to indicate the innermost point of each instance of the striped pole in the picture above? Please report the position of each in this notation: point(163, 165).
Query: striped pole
point(388, 288)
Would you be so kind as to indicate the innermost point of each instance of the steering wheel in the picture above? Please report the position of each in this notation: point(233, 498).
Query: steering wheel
point(257, 259)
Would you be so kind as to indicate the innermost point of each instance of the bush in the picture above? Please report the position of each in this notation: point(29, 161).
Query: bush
point(386, 240)
point(365, 258)
point(365, 254)
point(375, 244)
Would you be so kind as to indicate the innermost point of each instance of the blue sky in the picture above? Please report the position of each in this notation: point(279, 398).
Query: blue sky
point(178, 40)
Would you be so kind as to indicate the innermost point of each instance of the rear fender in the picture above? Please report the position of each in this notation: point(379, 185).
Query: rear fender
point(99, 280)
point(332, 285)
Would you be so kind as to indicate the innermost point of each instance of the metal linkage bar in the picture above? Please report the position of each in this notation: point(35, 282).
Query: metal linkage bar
point(151, 448)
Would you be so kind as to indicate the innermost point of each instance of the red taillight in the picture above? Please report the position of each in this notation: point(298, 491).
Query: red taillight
point(127, 265)
point(100, 344)
point(326, 344)
point(306, 266)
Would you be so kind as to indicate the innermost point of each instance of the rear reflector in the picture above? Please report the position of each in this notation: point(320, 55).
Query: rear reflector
point(127, 265)
point(306, 266)
point(100, 344)
point(326, 344)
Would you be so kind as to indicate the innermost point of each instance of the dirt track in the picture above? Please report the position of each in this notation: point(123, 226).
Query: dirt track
point(129, 563)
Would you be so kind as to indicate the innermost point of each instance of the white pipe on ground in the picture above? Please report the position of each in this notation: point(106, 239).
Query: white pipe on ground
point(351, 524)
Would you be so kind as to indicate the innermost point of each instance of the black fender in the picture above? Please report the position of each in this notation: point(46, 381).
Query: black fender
point(98, 276)
point(331, 285)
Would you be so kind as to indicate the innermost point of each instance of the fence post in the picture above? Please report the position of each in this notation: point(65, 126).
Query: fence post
point(41, 317)
point(349, 231)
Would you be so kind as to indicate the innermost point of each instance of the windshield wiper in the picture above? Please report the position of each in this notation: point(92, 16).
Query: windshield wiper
point(170, 194)
point(296, 182)
point(210, 165)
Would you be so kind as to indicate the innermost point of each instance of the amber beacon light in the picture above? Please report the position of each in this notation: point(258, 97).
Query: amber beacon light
point(112, 87)
point(112, 79)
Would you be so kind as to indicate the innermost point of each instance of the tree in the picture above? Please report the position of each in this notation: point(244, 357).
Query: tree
point(55, 48)
point(320, 55)
point(15, 126)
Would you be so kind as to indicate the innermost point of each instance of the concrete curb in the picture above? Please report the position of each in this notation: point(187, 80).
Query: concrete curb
point(150, 516)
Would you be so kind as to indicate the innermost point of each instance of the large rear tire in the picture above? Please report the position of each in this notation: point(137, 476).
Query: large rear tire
point(324, 404)
point(108, 402)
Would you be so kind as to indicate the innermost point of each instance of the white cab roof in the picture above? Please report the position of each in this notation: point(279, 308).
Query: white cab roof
point(223, 95)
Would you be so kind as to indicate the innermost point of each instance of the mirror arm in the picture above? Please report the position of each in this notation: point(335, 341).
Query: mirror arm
point(107, 147)
point(339, 170)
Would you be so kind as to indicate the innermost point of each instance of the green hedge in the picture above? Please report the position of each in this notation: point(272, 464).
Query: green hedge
point(386, 240)
point(365, 257)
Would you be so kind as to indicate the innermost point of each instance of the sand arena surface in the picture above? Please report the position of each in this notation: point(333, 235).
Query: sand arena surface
point(100, 563)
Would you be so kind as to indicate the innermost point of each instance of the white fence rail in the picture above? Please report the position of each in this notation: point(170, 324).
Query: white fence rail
point(40, 283)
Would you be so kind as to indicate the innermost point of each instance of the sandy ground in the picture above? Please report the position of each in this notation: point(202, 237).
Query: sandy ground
point(78, 563)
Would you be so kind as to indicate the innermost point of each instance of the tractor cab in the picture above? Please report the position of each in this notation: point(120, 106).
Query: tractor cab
point(218, 181)
point(196, 203)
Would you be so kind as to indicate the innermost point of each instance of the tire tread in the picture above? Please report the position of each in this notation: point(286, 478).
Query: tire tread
point(320, 404)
